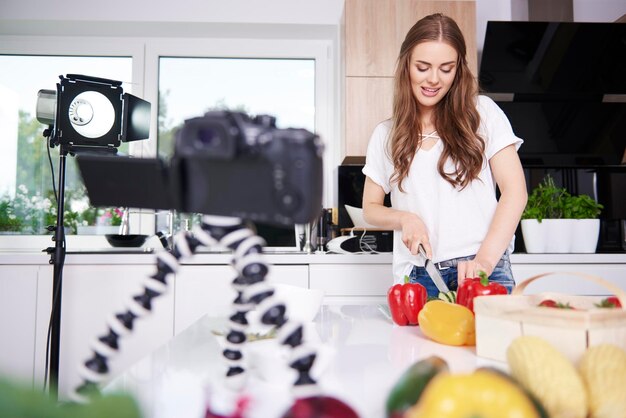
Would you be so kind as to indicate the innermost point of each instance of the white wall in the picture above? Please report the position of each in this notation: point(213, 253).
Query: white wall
point(221, 11)
point(598, 10)
point(284, 12)
point(490, 10)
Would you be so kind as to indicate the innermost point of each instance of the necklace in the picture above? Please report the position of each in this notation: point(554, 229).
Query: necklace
point(433, 134)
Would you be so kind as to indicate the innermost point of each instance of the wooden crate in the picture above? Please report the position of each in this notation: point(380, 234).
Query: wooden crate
point(502, 318)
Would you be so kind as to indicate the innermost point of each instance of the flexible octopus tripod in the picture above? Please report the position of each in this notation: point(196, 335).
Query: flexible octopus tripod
point(252, 291)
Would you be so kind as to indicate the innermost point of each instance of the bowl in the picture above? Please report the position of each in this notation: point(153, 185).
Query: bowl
point(356, 216)
point(302, 304)
point(117, 240)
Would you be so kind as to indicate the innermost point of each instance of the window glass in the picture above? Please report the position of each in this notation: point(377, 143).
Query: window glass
point(189, 87)
point(27, 202)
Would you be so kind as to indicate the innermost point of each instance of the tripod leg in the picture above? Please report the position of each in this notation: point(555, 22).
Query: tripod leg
point(95, 370)
point(253, 290)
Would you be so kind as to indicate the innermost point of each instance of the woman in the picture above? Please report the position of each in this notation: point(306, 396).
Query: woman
point(440, 156)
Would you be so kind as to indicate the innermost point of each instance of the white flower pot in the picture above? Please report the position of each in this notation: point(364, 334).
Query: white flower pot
point(585, 234)
point(561, 235)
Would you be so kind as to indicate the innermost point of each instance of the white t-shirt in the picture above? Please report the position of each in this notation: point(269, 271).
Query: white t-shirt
point(457, 220)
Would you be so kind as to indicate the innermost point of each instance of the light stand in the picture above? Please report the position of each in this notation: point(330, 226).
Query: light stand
point(57, 258)
point(86, 114)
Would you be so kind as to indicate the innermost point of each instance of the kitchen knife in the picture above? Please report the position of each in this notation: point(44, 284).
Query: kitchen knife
point(433, 272)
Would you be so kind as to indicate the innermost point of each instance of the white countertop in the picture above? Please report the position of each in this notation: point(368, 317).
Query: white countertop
point(140, 256)
point(363, 351)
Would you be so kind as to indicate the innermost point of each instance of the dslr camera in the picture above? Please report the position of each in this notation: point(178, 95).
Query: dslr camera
point(225, 163)
point(235, 165)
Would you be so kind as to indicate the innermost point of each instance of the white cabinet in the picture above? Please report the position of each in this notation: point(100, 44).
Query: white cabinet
point(91, 295)
point(351, 283)
point(98, 286)
point(206, 289)
point(18, 309)
point(42, 320)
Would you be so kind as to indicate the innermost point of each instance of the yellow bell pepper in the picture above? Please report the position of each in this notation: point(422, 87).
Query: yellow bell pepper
point(481, 394)
point(447, 323)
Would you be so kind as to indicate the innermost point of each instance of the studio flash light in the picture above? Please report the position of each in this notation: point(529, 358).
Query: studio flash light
point(85, 115)
point(89, 111)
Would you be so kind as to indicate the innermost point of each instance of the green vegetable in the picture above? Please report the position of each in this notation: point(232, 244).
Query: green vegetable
point(449, 296)
point(23, 402)
point(409, 387)
point(581, 207)
point(547, 201)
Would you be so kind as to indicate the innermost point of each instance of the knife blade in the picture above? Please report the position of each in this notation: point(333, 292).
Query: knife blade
point(433, 272)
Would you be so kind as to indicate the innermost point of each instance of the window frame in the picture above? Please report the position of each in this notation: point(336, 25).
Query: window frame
point(145, 54)
point(318, 50)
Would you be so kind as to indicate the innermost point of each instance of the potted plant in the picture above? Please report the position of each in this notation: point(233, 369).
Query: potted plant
point(9, 221)
point(554, 221)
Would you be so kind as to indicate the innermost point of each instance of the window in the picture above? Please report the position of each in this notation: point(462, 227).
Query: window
point(285, 79)
point(26, 183)
point(188, 87)
point(297, 88)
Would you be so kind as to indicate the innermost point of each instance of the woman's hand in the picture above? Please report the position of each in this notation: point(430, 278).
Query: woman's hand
point(414, 233)
point(470, 269)
point(413, 229)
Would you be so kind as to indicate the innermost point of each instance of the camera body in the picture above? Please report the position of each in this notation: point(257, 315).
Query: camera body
point(224, 163)
point(230, 164)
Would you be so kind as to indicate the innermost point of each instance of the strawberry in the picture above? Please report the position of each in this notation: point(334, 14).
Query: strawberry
point(610, 302)
point(549, 303)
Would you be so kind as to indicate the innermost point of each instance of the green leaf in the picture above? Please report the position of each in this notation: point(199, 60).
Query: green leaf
point(484, 279)
point(547, 201)
point(20, 401)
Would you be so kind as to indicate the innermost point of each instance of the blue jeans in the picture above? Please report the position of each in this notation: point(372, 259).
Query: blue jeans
point(501, 274)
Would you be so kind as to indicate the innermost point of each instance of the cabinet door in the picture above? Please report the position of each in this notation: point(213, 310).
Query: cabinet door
point(371, 46)
point(91, 295)
point(207, 290)
point(352, 283)
point(368, 102)
point(18, 290)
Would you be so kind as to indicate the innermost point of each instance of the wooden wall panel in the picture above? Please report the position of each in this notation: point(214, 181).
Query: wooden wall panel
point(370, 48)
point(368, 102)
point(463, 12)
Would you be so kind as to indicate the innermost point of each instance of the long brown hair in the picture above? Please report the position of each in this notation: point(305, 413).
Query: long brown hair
point(455, 116)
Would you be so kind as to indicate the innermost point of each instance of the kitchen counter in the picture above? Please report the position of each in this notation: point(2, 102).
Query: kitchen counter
point(362, 354)
point(143, 256)
point(96, 283)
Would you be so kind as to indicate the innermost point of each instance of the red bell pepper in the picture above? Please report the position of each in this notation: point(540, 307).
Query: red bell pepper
point(477, 286)
point(406, 300)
